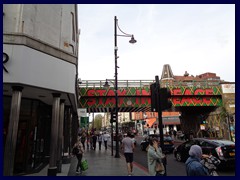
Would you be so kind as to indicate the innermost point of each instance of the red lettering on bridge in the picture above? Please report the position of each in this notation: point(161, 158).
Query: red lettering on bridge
point(91, 92)
point(196, 100)
point(207, 100)
point(186, 100)
point(209, 91)
point(199, 92)
point(145, 100)
point(110, 92)
point(143, 92)
point(176, 92)
point(91, 101)
point(104, 92)
point(101, 92)
point(191, 100)
point(122, 93)
point(110, 100)
point(188, 91)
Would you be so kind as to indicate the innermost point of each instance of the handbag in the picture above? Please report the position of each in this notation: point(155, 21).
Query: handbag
point(84, 165)
point(159, 167)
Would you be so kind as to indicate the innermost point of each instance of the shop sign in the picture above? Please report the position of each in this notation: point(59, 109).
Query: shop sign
point(5, 60)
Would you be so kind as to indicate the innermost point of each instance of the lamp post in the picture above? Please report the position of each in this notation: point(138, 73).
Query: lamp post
point(116, 78)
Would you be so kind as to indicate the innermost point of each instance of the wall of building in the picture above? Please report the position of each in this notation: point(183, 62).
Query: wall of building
point(41, 42)
point(31, 67)
point(52, 24)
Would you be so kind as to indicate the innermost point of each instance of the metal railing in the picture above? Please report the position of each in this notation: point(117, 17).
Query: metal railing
point(143, 83)
point(121, 83)
point(199, 84)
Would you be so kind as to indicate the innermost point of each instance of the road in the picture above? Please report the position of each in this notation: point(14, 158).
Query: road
point(173, 167)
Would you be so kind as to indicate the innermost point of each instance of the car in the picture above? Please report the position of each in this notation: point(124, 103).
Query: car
point(224, 150)
point(168, 142)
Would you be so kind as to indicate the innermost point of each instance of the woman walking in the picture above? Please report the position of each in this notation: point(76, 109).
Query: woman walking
point(79, 154)
point(154, 156)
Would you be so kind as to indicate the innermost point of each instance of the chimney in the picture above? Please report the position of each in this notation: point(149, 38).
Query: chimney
point(186, 74)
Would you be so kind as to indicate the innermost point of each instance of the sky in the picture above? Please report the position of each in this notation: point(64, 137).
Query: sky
point(196, 38)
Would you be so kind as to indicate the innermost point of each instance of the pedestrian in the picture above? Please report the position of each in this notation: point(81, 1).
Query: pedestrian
point(88, 140)
point(83, 139)
point(193, 165)
point(154, 156)
point(105, 139)
point(134, 140)
point(174, 134)
point(91, 140)
point(100, 140)
point(128, 149)
point(94, 139)
point(191, 136)
point(79, 154)
point(120, 138)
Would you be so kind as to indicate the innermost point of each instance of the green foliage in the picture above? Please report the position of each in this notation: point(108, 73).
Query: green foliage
point(98, 121)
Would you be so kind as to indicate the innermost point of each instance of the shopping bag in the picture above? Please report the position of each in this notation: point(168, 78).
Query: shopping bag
point(159, 167)
point(84, 165)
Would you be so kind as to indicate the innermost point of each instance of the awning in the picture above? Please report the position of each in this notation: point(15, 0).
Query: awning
point(150, 122)
point(165, 121)
point(171, 120)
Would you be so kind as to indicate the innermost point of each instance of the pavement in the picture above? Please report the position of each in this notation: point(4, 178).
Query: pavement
point(100, 163)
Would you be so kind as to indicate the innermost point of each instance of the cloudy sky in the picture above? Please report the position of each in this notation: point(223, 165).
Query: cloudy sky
point(196, 38)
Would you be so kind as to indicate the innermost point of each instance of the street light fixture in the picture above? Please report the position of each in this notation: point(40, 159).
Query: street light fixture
point(116, 26)
point(106, 85)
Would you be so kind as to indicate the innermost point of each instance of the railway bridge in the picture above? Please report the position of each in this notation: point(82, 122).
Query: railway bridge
point(195, 101)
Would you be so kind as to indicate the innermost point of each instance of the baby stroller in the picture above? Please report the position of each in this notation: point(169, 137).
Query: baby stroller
point(211, 164)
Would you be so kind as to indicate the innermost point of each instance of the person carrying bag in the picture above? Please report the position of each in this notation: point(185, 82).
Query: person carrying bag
point(78, 151)
point(155, 156)
point(159, 166)
point(84, 165)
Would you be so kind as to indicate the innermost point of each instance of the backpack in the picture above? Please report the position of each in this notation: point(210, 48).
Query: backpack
point(211, 164)
point(75, 150)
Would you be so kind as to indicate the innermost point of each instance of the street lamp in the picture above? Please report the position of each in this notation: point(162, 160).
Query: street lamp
point(116, 26)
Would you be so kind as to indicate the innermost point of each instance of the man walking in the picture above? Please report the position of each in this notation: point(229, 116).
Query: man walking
point(105, 139)
point(128, 148)
point(100, 140)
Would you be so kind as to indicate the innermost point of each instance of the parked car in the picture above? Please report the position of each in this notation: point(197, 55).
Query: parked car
point(224, 150)
point(168, 142)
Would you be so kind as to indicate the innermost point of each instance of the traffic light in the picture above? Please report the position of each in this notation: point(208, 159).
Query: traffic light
point(113, 117)
point(165, 94)
point(153, 90)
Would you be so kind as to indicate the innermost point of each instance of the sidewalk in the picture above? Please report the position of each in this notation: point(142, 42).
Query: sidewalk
point(100, 163)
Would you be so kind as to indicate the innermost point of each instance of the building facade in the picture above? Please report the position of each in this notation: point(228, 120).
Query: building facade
point(216, 122)
point(40, 62)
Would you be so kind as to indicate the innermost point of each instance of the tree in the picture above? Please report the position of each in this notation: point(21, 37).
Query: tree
point(98, 121)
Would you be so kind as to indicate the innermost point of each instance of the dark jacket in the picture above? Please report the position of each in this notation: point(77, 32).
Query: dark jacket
point(195, 168)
